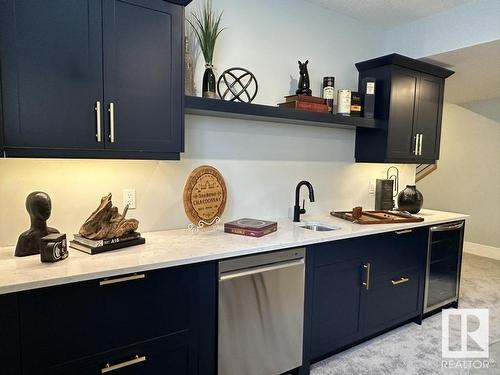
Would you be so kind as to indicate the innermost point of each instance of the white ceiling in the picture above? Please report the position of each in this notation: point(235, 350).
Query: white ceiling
point(388, 13)
point(476, 82)
point(477, 72)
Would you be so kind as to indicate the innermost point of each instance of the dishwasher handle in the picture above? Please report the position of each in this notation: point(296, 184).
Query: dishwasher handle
point(255, 270)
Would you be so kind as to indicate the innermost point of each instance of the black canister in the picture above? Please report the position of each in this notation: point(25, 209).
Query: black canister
point(329, 92)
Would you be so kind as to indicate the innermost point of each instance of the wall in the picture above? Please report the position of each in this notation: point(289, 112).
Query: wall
point(473, 23)
point(468, 176)
point(268, 37)
point(261, 162)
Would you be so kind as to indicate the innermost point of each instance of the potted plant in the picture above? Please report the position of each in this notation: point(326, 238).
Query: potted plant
point(206, 25)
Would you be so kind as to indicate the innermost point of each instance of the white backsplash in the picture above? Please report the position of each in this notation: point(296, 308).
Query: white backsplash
point(261, 163)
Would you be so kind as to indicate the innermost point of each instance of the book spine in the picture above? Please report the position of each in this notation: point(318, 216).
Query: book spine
point(99, 243)
point(305, 98)
point(250, 232)
point(313, 107)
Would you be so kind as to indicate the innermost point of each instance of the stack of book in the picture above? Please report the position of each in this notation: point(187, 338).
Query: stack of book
point(305, 103)
point(100, 246)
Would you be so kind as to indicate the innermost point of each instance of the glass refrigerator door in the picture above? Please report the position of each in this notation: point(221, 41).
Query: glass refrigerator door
point(443, 267)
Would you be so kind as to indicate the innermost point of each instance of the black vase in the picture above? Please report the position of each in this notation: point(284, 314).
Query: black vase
point(410, 199)
point(209, 82)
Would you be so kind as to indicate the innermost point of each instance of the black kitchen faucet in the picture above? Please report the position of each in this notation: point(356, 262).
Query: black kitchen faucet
point(296, 209)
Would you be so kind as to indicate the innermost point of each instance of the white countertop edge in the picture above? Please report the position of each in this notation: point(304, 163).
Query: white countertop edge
point(315, 238)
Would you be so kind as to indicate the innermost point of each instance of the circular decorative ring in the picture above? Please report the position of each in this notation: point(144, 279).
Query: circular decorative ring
point(237, 84)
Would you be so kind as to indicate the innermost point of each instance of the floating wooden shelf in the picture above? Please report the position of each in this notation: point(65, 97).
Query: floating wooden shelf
point(219, 108)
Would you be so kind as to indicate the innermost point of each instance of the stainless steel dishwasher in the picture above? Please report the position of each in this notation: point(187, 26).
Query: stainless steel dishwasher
point(261, 311)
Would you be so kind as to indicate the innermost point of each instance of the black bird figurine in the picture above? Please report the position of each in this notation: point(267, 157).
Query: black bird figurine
point(304, 83)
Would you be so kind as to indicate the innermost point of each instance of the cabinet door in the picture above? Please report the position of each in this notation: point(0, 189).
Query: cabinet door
point(51, 63)
point(10, 351)
point(401, 141)
point(428, 115)
point(143, 75)
point(335, 288)
point(335, 314)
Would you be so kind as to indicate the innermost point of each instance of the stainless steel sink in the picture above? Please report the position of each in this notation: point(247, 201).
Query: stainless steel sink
point(319, 227)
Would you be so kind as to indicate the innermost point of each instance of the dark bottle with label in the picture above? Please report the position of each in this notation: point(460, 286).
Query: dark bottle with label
point(329, 92)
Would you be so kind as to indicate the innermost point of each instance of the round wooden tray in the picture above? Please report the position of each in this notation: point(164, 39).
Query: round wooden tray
point(205, 195)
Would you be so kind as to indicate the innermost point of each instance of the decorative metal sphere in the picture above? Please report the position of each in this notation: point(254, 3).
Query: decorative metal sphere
point(237, 84)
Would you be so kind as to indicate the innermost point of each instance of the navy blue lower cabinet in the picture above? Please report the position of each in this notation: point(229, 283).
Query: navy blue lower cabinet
point(10, 359)
point(167, 355)
point(391, 299)
point(359, 287)
point(163, 315)
point(394, 286)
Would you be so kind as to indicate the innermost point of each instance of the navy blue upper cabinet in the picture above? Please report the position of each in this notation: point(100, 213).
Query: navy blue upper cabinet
point(51, 65)
point(409, 99)
point(143, 75)
point(92, 78)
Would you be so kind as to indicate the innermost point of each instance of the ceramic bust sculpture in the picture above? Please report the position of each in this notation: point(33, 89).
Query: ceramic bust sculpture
point(39, 208)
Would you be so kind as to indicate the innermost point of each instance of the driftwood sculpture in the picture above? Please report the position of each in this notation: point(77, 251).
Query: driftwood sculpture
point(106, 223)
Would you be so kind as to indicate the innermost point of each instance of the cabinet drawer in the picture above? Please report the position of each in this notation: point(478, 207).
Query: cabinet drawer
point(340, 251)
point(168, 355)
point(72, 321)
point(392, 299)
point(399, 250)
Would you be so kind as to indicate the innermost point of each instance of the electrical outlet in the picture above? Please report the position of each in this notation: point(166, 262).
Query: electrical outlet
point(129, 198)
point(371, 187)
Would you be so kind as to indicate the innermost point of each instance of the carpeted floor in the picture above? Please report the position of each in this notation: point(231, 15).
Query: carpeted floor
point(414, 349)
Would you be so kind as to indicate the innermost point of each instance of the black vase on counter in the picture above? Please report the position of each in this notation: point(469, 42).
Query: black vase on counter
point(208, 88)
point(410, 199)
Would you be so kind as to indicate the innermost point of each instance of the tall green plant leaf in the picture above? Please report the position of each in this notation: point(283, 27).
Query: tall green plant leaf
point(206, 24)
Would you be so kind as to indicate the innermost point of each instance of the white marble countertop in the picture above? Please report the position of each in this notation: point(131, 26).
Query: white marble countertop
point(178, 247)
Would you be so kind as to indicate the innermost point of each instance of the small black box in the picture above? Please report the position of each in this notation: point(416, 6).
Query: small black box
point(53, 247)
point(367, 90)
point(383, 195)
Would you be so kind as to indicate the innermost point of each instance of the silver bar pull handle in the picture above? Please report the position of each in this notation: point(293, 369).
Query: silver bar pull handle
point(415, 148)
point(111, 122)
point(420, 144)
point(367, 267)
point(255, 270)
point(135, 360)
point(117, 280)
point(406, 231)
point(402, 280)
point(98, 134)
